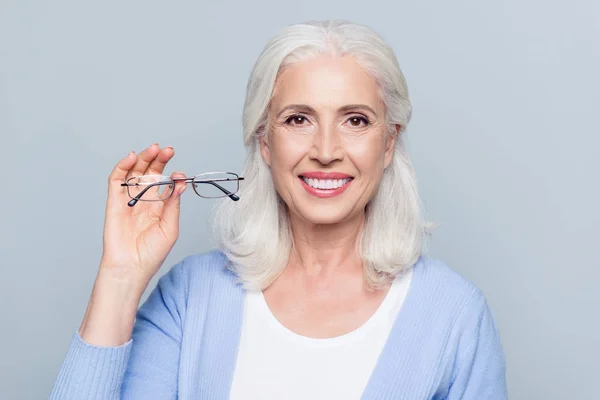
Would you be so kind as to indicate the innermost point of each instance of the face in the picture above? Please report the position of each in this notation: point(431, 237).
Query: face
point(327, 144)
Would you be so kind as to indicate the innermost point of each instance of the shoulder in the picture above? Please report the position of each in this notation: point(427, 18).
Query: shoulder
point(443, 302)
point(445, 287)
point(205, 263)
point(451, 303)
point(201, 265)
point(202, 271)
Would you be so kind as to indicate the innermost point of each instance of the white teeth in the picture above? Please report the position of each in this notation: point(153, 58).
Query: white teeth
point(325, 183)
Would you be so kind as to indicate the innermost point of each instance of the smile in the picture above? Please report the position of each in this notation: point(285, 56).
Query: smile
point(325, 185)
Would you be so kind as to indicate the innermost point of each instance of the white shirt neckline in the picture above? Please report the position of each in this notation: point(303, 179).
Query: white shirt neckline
point(399, 287)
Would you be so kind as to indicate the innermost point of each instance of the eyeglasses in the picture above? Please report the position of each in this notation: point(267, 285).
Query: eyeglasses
point(210, 185)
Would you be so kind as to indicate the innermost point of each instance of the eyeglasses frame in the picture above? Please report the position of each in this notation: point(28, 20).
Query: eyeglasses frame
point(192, 179)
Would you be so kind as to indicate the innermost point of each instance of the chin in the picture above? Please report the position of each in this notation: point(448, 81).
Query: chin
point(324, 215)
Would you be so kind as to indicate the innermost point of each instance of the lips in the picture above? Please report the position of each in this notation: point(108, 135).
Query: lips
point(325, 184)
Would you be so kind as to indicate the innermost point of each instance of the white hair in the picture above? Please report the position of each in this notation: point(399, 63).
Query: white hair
point(254, 232)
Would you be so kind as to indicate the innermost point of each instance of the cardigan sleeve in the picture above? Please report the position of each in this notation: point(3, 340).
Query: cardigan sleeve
point(480, 367)
point(146, 367)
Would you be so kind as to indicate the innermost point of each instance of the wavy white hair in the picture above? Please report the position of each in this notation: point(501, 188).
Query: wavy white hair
point(254, 232)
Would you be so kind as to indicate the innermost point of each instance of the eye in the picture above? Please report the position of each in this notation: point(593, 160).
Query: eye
point(358, 121)
point(296, 119)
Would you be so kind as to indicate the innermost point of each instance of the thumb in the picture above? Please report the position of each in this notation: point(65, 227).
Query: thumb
point(172, 207)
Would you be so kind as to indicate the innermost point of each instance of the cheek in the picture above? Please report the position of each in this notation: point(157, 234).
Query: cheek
point(288, 150)
point(367, 155)
point(286, 153)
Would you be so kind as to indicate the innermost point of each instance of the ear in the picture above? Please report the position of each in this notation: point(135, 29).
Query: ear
point(390, 144)
point(265, 149)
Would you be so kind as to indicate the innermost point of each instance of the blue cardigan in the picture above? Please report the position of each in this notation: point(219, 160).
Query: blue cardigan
point(444, 343)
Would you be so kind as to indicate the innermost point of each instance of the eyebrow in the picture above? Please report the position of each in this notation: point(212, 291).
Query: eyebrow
point(309, 110)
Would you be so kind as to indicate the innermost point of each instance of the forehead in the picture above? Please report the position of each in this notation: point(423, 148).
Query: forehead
point(326, 81)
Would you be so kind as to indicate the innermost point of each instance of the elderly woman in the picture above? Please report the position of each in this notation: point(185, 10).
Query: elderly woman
point(320, 288)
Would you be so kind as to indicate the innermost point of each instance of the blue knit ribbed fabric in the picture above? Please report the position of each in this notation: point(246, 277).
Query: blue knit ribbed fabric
point(444, 344)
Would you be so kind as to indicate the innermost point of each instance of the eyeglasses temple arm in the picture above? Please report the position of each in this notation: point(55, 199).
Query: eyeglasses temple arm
point(133, 201)
point(222, 189)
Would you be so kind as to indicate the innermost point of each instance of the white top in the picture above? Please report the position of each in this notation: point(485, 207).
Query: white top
point(276, 363)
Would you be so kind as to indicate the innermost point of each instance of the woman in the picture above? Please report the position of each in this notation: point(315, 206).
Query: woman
point(319, 288)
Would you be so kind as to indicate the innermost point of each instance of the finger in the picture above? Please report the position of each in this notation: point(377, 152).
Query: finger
point(157, 166)
point(120, 171)
point(179, 186)
point(118, 176)
point(144, 159)
point(164, 192)
point(171, 210)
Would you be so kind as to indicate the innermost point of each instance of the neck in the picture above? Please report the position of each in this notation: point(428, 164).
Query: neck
point(322, 249)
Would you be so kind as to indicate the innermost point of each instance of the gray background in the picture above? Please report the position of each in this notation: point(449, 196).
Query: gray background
point(504, 138)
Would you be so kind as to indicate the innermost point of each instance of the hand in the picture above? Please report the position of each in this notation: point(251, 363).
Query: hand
point(138, 239)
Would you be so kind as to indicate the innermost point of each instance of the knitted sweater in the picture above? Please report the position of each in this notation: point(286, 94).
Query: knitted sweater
point(444, 343)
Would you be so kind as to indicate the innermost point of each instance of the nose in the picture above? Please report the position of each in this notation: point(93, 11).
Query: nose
point(327, 145)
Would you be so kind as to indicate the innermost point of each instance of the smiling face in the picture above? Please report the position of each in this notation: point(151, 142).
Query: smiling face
point(328, 143)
